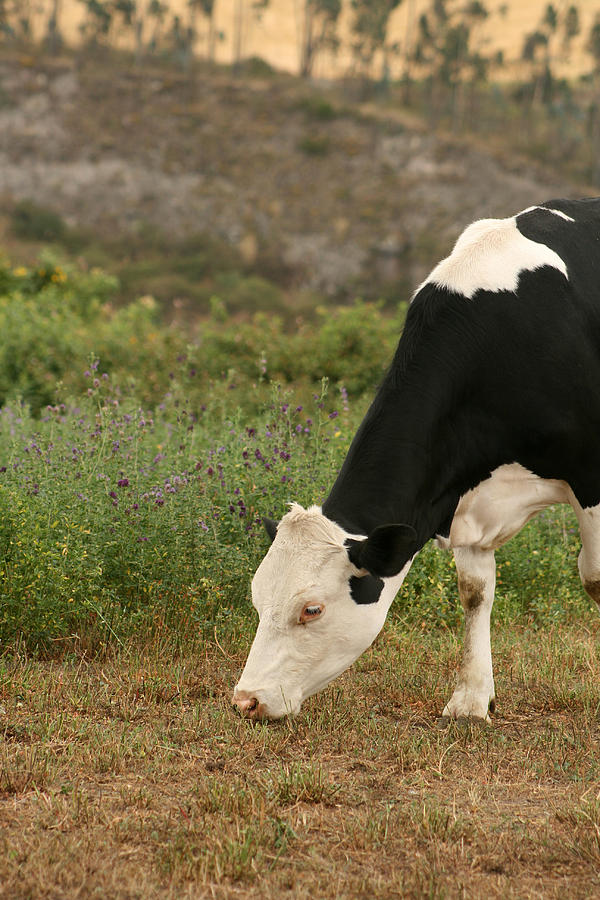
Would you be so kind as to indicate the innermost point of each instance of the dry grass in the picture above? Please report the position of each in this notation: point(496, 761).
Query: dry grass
point(131, 777)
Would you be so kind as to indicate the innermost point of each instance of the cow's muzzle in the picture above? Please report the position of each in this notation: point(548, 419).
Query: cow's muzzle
point(249, 706)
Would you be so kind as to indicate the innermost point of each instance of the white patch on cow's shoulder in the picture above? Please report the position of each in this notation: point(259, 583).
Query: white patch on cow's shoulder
point(490, 255)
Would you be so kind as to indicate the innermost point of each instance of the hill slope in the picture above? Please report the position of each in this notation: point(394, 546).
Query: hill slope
point(321, 197)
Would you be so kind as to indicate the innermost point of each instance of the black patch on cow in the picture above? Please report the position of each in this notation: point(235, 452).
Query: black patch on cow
point(444, 529)
point(365, 589)
point(385, 551)
point(503, 377)
point(353, 550)
point(270, 527)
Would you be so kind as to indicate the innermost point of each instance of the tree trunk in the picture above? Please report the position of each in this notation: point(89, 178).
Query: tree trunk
point(408, 40)
point(595, 130)
point(54, 39)
point(238, 26)
point(307, 49)
point(211, 36)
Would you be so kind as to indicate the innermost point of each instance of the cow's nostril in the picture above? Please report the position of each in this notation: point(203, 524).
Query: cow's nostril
point(247, 705)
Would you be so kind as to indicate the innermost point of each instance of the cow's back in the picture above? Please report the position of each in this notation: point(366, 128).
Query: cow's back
point(508, 336)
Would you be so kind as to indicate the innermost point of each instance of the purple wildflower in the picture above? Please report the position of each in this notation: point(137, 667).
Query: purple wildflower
point(344, 395)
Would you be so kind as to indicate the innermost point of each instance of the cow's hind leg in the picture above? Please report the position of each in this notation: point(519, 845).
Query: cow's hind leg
point(474, 693)
point(589, 556)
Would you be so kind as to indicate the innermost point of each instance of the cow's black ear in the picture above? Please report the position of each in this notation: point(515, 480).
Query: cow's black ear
point(270, 528)
point(384, 553)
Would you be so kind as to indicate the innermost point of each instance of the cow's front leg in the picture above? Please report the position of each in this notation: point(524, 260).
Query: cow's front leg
point(474, 693)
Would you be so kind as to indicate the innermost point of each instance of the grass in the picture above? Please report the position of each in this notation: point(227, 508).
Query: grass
point(130, 776)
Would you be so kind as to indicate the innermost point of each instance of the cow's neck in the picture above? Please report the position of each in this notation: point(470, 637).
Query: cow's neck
point(424, 442)
point(394, 473)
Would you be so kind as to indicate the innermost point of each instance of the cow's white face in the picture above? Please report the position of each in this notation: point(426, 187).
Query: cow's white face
point(318, 612)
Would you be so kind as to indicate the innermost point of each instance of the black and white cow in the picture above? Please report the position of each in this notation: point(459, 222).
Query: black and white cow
point(489, 412)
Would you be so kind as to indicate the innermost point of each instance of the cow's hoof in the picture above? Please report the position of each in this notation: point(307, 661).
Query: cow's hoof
point(472, 706)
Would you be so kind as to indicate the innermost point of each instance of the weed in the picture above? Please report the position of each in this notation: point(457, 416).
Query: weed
point(300, 783)
point(22, 768)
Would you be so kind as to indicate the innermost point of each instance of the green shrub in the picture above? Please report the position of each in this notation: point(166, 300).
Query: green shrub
point(351, 346)
point(36, 223)
point(315, 145)
point(52, 318)
point(318, 108)
point(114, 519)
point(249, 294)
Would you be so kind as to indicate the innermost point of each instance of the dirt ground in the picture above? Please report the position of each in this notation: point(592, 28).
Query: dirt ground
point(131, 777)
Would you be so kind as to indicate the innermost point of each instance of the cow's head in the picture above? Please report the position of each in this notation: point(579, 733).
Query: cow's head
point(322, 596)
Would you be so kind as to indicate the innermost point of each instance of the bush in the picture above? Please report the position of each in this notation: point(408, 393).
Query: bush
point(52, 318)
point(36, 223)
point(315, 145)
point(350, 346)
point(319, 108)
point(114, 519)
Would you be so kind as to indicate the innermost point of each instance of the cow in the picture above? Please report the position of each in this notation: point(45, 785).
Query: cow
point(489, 412)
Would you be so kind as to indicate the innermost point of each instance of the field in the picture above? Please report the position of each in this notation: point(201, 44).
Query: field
point(132, 482)
point(129, 775)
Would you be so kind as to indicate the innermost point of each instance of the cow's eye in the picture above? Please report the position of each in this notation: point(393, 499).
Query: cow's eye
point(311, 611)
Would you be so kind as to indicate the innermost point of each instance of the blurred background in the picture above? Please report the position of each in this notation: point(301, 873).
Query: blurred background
point(284, 154)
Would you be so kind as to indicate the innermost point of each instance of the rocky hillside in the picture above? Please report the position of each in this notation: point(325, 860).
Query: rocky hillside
point(331, 198)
